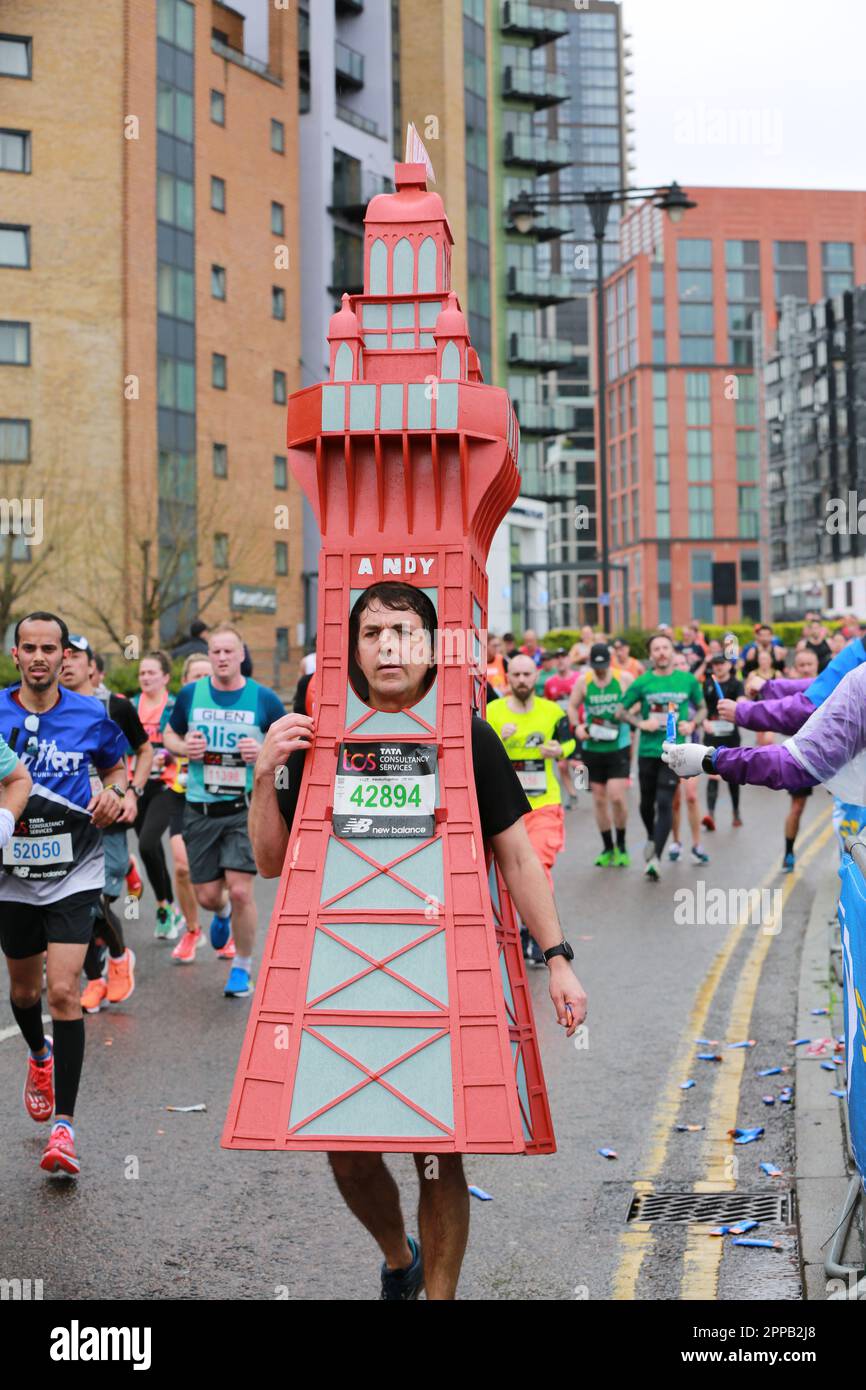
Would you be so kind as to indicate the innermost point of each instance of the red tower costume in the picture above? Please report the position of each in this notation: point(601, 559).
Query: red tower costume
point(392, 1011)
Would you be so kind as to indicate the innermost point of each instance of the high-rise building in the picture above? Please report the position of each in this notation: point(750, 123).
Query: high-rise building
point(815, 387)
point(149, 339)
point(349, 51)
point(689, 313)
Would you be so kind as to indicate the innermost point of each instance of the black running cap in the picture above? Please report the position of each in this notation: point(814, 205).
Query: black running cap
point(600, 654)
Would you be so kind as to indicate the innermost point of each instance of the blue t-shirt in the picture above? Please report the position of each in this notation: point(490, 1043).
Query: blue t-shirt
point(8, 759)
point(842, 663)
point(56, 849)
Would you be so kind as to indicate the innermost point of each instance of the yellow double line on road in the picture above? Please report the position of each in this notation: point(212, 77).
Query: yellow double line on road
point(637, 1241)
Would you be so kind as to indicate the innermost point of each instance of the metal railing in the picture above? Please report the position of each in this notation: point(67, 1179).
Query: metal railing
point(355, 118)
point(539, 22)
point(349, 64)
point(244, 60)
point(533, 84)
point(541, 289)
point(523, 347)
point(539, 151)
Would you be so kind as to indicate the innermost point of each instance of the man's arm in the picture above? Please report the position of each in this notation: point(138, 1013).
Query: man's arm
point(531, 895)
point(575, 700)
point(783, 716)
point(268, 831)
point(15, 790)
point(106, 806)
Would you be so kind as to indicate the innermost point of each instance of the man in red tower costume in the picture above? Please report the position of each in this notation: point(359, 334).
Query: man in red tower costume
point(392, 640)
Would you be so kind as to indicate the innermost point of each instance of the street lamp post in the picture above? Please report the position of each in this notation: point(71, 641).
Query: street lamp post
point(522, 213)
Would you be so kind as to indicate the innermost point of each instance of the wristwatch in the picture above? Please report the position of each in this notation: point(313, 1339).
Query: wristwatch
point(136, 791)
point(563, 949)
point(118, 791)
point(708, 762)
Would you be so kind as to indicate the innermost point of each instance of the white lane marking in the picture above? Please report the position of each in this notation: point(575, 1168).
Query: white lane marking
point(15, 1031)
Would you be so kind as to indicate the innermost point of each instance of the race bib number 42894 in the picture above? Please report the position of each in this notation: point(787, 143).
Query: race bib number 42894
point(385, 789)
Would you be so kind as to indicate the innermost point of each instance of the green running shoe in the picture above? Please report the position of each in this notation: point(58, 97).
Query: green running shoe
point(621, 859)
point(605, 859)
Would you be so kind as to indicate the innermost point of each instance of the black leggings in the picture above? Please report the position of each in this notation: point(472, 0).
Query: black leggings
point(151, 823)
point(658, 783)
point(107, 931)
point(713, 792)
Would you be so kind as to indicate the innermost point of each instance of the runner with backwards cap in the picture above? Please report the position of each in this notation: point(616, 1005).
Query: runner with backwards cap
point(606, 744)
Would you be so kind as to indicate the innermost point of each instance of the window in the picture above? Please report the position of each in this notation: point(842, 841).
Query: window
point(699, 453)
point(748, 505)
point(20, 549)
point(696, 351)
point(278, 302)
point(281, 472)
point(278, 220)
point(695, 286)
point(174, 201)
point(217, 193)
point(218, 281)
point(837, 266)
point(15, 344)
point(702, 567)
point(220, 456)
point(750, 569)
point(748, 466)
point(16, 56)
point(14, 441)
point(278, 137)
point(14, 246)
point(174, 111)
point(280, 396)
point(221, 551)
point(696, 318)
point(15, 151)
point(700, 511)
point(791, 278)
point(281, 557)
point(697, 398)
point(217, 107)
point(176, 292)
point(218, 371)
point(741, 253)
point(694, 253)
point(176, 384)
point(746, 407)
point(175, 23)
point(282, 643)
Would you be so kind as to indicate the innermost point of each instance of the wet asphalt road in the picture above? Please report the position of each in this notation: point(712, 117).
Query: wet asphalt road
point(162, 1212)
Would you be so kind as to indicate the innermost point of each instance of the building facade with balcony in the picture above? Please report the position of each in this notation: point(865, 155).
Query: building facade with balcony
point(815, 410)
point(690, 316)
point(347, 148)
point(131, 398)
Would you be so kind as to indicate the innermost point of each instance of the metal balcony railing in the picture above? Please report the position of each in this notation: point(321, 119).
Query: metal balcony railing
point(556, 418)
point(538, 352)
point(538, 151)
point(244, 60)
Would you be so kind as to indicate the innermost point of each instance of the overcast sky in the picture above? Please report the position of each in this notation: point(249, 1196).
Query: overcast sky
point(753, 93)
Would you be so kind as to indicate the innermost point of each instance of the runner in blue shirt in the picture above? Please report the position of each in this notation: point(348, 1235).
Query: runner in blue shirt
point(219, 723)
point(52, 869)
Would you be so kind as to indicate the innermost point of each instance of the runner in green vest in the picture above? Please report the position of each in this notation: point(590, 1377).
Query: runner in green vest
point(606, 743)
point(655, 692)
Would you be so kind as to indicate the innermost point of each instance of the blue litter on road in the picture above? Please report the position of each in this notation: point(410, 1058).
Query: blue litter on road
point(798, 1042)
point(746, 1136)
point(760, 1244)
point(769, 1100)
point(709, 1057)
point(687, 1085)
point(481, 1194)
point(607, 1153)
point(773, 1071)
point(750, 1043)
point(828, 1066)
point(838, 1093)
point(771, 1170)
point(786, 1095)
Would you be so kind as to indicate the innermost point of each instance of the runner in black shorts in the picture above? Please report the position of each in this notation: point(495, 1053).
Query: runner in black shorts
point(606, 749)
point(53, 866)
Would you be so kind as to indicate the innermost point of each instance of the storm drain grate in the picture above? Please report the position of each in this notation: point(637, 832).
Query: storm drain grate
point(711, 1206)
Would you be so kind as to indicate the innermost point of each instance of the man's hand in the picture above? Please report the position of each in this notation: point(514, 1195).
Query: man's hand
point(106, 808)
point(128, 808)
point(649, 725)
point(248, 748)
point(565, 988)
point(551, 749)
point(507, 730)
point(686, 727)
point(582, 732)
point(754, 683)
point(728, 710)
point(285, 736)
point(196, 744)
point(685, 759)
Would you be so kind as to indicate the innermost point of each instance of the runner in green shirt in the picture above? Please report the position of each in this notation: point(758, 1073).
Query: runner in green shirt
point(654, 693)
point(606, 745)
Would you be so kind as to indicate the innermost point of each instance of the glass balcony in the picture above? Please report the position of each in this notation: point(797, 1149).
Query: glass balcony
point(531, 287)
point(535, 22)
point(538, 352)
point(352, 190)
point(523, 83)
point(345, 113)
point(557, 418)
point(349, 65)
point(538, 151)
point(550, 484)
point(349, 7)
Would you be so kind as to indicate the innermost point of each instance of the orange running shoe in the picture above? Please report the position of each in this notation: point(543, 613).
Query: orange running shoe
point(184, 951)
point(133, 879)
point(39, 1087)
point(94, 996)
point(121, 976)
point(60, 1155)
point(229, 951)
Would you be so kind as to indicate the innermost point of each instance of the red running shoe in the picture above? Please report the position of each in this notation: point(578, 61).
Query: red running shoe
point(60, 1155)
point(229, 951)
point(708, 823)
point(134, 886)
point(39, 1088)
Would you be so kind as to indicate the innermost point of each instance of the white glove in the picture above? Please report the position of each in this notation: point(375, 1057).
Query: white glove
point(685, 759)
point(7, 826)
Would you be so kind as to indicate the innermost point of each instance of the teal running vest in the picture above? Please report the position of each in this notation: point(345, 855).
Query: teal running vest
point(222, 774)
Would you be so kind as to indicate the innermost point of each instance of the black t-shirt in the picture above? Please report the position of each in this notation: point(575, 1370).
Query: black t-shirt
point(751, 662)
point(125, 716)
point(501, 799)
point(821, 650)
point(732, 689)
